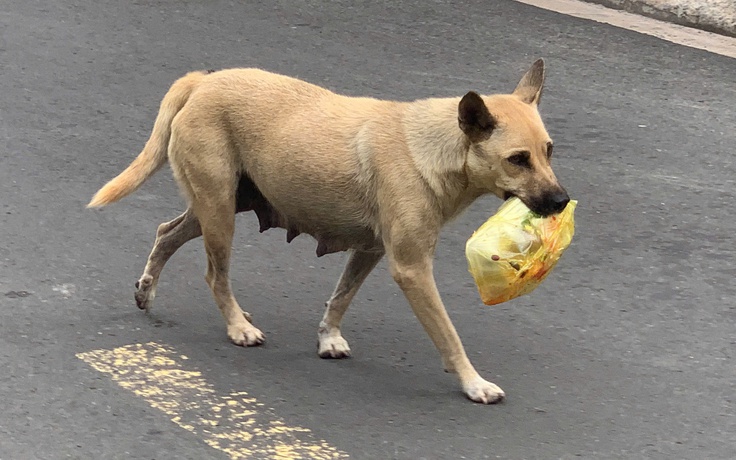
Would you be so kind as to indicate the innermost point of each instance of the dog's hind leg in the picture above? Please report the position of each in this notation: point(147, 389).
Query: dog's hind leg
point(170, 236)
point(212, 190)
point(357, 269)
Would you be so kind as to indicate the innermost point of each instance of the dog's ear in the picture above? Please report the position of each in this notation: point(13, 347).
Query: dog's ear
point(474, 118)
point(530, 87)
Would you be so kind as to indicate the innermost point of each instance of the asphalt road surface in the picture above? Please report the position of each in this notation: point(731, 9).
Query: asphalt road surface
point(626, 351)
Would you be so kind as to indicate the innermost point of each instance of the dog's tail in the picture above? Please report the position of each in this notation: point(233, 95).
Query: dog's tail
point(154, 154)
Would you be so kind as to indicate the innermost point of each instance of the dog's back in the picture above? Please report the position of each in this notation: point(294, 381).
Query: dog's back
point(278, 130)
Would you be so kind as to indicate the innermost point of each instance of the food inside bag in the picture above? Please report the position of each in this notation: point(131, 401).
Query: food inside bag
point(515, 249)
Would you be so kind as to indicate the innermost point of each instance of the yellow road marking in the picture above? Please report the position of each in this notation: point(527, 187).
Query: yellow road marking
point(236, 424)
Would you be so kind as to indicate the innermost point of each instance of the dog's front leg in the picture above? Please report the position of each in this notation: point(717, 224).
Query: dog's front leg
point(411, 267)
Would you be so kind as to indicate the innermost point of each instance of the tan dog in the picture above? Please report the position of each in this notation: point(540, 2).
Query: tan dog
point(368, 176)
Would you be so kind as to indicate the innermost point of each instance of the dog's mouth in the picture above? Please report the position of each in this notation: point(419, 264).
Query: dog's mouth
point(553, 205)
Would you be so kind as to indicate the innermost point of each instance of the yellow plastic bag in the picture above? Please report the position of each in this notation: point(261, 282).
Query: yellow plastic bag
point(515, 249)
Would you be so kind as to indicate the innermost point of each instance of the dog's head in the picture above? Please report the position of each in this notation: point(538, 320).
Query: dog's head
point(510, 149)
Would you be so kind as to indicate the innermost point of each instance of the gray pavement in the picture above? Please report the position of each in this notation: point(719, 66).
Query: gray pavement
point(626, 351)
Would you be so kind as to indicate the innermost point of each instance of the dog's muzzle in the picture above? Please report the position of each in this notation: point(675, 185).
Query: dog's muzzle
point(551, 203)
point(546, 205)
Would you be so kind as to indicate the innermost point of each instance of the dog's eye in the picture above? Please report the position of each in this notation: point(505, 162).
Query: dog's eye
point(520, 159)
point(549, 150)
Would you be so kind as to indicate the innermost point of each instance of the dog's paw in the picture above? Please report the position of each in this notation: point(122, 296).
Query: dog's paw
point(483, 391)
point(332, 345)
point(245, 335)
point(145, 292)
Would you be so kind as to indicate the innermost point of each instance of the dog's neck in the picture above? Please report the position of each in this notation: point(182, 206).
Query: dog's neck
point(439, 150)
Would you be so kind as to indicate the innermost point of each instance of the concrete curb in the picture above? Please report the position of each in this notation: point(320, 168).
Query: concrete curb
point(718, 16)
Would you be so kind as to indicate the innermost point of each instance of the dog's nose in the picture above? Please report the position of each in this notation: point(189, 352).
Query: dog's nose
point(549, 203)
point(559, 201)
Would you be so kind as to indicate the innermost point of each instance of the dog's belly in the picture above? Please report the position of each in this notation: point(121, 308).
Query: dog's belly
point(329, 238)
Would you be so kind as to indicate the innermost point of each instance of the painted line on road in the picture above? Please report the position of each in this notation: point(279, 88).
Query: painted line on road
point(235, 424)
point(687, 36)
